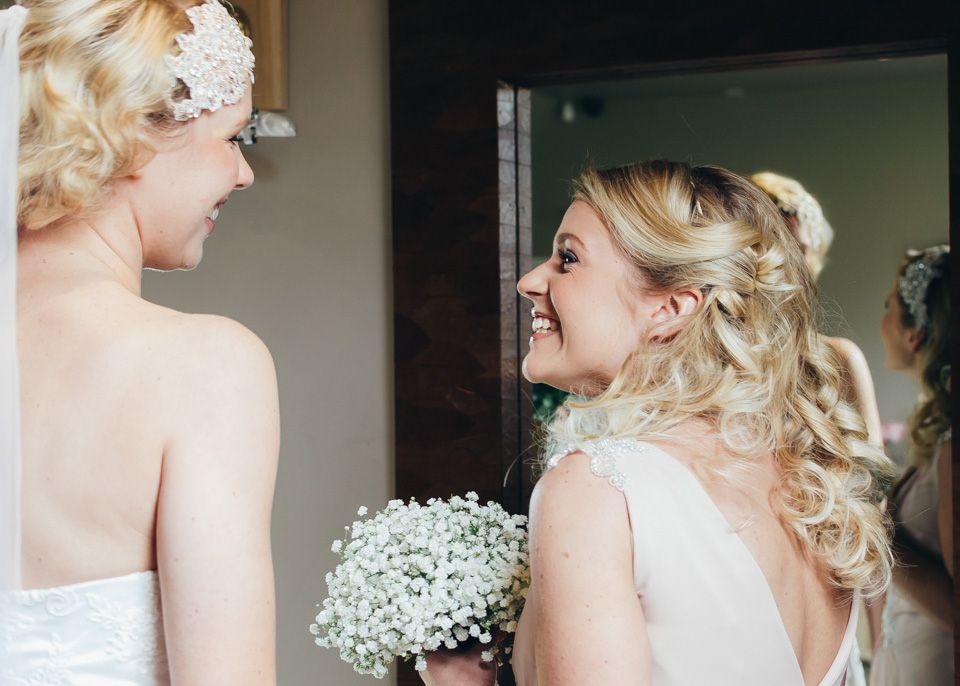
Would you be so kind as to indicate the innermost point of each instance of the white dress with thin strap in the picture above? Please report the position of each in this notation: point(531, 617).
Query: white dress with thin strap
point(914, 650)
point(710, 614)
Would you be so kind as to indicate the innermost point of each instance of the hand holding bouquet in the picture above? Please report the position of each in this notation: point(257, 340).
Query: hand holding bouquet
point(416, 578)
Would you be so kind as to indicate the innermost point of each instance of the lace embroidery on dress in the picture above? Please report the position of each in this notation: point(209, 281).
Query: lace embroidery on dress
point(133, 638)
point(110, 628)
point(603, 453)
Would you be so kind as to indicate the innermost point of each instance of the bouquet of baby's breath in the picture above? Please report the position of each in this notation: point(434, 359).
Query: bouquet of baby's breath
point(415, 578)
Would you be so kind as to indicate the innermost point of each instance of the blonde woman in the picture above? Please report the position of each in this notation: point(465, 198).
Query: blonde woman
point(707, 516)
point(917, 643)
point(139, 522)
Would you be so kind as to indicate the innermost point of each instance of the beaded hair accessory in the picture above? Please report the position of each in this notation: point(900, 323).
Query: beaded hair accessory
point(215, 62)
point(916, 278)
point(807, 210)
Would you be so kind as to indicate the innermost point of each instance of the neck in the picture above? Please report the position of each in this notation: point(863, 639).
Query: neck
point(914, 371)
point(107, 245)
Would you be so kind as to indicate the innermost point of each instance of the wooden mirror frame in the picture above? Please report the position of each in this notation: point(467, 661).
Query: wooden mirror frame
point(461, 186)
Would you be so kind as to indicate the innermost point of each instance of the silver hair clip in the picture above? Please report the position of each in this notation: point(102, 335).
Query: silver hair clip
point(215, 61)
point(915, 281)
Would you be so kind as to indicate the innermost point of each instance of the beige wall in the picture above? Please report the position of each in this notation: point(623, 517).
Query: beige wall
point(302, 258)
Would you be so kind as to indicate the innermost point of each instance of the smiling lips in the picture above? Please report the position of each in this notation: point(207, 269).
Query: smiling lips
point(543, 326)
point(215, 212)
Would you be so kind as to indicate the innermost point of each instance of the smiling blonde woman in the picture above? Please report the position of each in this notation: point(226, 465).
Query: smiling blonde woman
point(140, 519)
point(714, 495)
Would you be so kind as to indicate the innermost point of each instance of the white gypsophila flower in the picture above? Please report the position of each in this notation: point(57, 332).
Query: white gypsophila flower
point(414, 578)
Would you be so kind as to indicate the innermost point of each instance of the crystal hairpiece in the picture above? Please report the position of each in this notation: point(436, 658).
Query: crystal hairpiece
point(915, 281)
point(806, 209)
point(215, 61)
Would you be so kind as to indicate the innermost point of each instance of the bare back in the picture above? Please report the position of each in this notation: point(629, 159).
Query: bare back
point(95, 364)
point(811, 609)
point(150, 442)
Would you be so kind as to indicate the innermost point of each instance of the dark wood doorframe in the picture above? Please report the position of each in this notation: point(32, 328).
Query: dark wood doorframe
point(516, 226)
point(459, 194)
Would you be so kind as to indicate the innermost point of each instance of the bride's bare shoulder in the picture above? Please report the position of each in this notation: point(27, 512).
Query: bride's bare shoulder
point(195, 348)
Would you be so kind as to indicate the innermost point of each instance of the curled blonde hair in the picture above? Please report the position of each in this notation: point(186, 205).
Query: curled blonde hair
point(93, 89)
point(799, 208)
point(749, 360)
point(931, 416)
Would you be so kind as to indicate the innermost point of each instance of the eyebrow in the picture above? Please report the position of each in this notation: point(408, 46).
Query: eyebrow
point(563, 237)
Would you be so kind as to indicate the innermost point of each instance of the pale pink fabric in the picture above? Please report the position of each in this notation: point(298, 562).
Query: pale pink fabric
point(914, 650)
point(711, 616)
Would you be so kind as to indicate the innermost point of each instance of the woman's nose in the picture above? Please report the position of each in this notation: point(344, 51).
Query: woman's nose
point(534, 283)
point(245, 176)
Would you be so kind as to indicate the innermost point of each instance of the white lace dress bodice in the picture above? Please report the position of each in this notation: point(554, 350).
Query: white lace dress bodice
point(107, 632)
point(710, 615)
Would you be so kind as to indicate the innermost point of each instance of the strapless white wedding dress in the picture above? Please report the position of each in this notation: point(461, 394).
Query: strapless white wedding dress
point(107, 632)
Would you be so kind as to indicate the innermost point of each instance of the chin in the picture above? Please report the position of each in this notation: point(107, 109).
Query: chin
point(531, 374)
point(191, 260)
point(530, 371)
point(190, 265)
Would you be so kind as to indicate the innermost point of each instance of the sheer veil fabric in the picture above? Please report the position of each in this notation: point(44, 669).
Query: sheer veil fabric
point(11, 22)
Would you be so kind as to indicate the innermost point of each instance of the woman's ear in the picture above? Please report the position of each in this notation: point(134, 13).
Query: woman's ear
point(686, 301)
point(674, 309)
point(916, 339)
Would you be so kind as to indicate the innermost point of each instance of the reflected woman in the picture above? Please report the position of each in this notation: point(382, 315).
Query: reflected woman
point(917, 643)
point(714, 492)
point(150, 437)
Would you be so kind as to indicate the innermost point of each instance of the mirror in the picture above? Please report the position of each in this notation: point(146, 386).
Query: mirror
point(460, 80)
point(868, 139)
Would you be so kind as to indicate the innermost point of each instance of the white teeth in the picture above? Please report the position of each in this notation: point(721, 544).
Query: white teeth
point(544, 325)
point(216, 212)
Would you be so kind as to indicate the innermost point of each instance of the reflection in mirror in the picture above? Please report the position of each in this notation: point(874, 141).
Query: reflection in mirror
point(867, 139)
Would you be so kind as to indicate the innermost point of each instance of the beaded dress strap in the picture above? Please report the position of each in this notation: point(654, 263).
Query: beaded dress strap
point(603, 453)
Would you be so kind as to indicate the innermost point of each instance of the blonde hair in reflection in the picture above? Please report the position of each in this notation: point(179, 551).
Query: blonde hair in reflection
point(749, 360)
point(93, 81)
point(798, 208)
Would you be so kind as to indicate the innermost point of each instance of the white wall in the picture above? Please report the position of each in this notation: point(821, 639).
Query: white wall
point(302, 258)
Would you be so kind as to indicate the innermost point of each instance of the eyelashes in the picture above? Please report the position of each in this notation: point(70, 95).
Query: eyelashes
point(567, 258)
